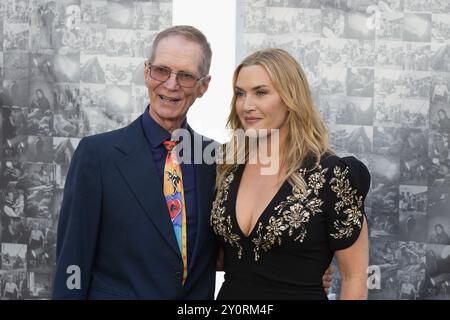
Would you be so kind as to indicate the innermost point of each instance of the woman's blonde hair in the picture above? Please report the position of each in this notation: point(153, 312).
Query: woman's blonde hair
point(308, 134)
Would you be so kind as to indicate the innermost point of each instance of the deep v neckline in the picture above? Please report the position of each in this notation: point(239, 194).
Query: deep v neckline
point(238, 178)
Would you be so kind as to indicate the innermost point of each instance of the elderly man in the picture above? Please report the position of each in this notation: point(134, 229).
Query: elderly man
point(134, 223)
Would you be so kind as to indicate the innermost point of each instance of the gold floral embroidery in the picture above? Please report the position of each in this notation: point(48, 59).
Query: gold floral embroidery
point(292, 214)
point(348, 199)
point(222, 225)
point(273, 236)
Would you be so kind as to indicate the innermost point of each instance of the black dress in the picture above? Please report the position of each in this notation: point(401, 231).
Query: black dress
point(293, 241)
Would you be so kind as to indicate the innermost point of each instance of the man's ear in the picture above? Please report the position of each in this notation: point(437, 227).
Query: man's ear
point(204, 86)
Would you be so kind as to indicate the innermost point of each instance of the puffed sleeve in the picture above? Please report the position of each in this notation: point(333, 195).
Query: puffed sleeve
point(348, 183)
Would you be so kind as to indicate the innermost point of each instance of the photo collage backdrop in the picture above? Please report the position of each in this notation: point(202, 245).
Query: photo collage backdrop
point(68, 69)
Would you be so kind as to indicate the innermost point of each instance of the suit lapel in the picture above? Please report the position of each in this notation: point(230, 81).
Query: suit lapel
point(138, 169)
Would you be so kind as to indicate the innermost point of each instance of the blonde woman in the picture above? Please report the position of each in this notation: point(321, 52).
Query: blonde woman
point(280, 231)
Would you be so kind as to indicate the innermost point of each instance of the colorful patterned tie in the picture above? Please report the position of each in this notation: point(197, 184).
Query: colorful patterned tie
point(174, 194)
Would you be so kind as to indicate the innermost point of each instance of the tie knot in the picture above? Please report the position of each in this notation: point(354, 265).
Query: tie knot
point(170, 144)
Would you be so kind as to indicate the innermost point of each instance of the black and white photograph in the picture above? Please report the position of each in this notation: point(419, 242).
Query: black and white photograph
point(254, 42)
point(63, 150)
point(387, 112)
point(353, 110)
point(165, 14)
point(39, 122)
point(437, 275)
point(440, 6)
point(439, 146)
point(333, 81)
point(385, 169)
point(37, 149)
point(14, 122)
point(311, 4)
point(140, 100)
point(118, 101)
point(411, 285)
point(67, 120)
point(333, 53)
point(384, 227)
point(352, 139)
point(439, 118)
point(439, 93)
point(417, 27)
point(14, 285)
point(57, 202)
point(360, 82)
point(356, 26)
point(17, 11)
point(255, 18)
point(413, 157)
point(388, 84)
point(413, 204)
point(118, 42)
point(305, 22)
point(42, 67)
point(41, 95)
point(146, 15)
point(119, 70)
point(390, 24)
point(67, 67)
point(141, 43)
point(41, 245)
point(440, 57)
point(417, 5)
point(389, 54)
point(333, 23)
point(120, 14)
point(12, 90)
point(385, 198)
point(94, 39)
point(417, 56)
point(383, 258)
point(438, 204)
point(93, 12)
point(438, 215)
point(12, 175)
point(16, 36)
point(38, 175)
point(360, 53)
point(12, 215)
point(14, 256)
point(39, 202)
point(388, 141)
point(416, 85)
point(440, 27)
point(92, 68)
point(415, 113)
point(40, 284)
point(16, 65)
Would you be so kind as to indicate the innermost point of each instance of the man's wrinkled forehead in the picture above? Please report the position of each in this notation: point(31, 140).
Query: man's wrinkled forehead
point(171, 47)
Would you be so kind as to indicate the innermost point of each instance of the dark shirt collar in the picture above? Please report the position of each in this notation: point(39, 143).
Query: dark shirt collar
point(153, 131)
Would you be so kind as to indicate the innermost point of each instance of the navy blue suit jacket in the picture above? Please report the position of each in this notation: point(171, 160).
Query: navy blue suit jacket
point(114, 225)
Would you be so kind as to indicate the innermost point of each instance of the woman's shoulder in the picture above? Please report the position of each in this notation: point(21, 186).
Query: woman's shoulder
point(349, 168)
point(329, 160)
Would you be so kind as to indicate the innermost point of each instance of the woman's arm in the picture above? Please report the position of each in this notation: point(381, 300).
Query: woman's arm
point(353, 263)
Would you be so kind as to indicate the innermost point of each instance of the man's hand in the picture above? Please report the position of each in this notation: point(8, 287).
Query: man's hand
point(327, 279)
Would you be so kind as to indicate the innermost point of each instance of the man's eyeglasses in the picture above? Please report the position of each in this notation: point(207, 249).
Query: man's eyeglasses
point(184, 79)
